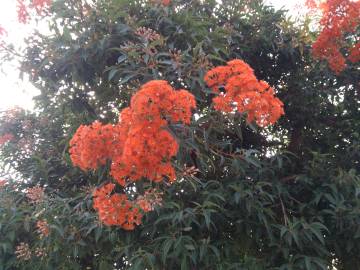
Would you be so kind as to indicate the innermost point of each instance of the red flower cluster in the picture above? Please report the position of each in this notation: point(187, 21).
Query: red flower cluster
point(3, 32)
point(149, 147)
point(91, 145)
point(43, 228)
point(6, 138)
point(23, 8)
point(166, 2)
point(162, 2)
point(139, 146)
point(149, 200)
point(2, 183)
point(340, 18)
point(116, 209)
point(40, 5)
point(244, 93)
point(354, 55)
point(22, 11)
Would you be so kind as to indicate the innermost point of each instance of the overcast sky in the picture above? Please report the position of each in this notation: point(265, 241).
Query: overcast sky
point(15, 92)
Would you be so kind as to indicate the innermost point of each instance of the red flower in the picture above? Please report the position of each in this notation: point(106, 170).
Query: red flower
point(139, 147)
point(340, 19)
point(166, 2)
point(40, 5)
point(149, 200)
point(3, 32)
point(92, 145)
point(22, 12)
point(6, 138)
point(2, 183)
point(43, 228)
point(23, 8)
point(244, 93)
point(354, 55)
point(116, 209)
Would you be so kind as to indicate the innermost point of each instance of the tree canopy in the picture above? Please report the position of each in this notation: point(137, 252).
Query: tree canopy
point(182, 134)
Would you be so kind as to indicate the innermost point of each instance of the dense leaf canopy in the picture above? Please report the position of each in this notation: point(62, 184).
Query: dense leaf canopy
point(284, 196)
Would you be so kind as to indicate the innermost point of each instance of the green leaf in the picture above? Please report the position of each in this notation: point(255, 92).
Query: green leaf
point(189, 247)
point(184, 263)
point(166, 248)
point(112, 73)
point(98, 232)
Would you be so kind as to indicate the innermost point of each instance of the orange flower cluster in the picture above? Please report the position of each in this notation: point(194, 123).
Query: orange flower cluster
point(43, 228)
point(340, 19)
point(40, 5)
point(354, 55)
point(148, 147)
point(139, 146)
point(244, 93)
point(149, 200)
point(2, 183)
point(162, 2)
point(91, 145)
point(22, 12)
point(6, 138)
point(116, 209)
point(23, 8)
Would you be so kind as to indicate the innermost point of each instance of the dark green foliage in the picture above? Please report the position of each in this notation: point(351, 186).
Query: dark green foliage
point(284, 197)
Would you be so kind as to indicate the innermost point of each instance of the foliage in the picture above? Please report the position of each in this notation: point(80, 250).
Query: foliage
point(285, 196)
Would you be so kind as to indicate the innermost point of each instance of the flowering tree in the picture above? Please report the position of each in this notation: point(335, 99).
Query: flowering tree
point(183, 135)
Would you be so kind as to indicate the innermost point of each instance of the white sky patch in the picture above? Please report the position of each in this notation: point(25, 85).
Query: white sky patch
point(291, 5)
point(14, 91)
point(17, 92)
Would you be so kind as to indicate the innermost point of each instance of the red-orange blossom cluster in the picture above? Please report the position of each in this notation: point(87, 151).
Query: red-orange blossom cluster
point(340, 24)
point(139, 147)
point(6, 138)
point(162, 2)
point(116, 209)
point(24, 7)
point(244, 92)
